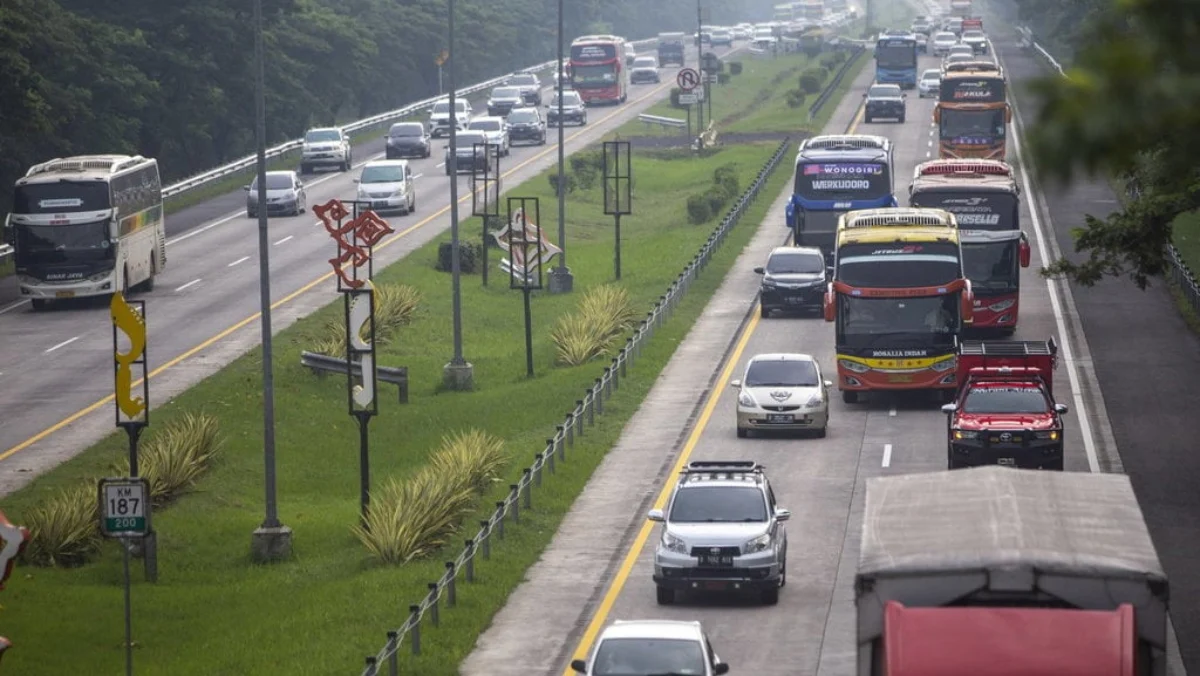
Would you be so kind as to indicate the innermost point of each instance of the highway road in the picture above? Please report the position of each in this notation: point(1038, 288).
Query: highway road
point(578, 584)
point(56, 367)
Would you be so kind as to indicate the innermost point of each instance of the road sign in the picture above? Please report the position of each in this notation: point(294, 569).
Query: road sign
point(713, 79)
point(688, 79)
point(124, 507)
point(687, 99)
point(712, 64)
point(441, 58)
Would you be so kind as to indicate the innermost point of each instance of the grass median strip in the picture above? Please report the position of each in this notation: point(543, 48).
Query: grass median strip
point(215, 612)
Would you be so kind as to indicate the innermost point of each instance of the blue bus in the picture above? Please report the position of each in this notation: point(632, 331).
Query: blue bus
point(896, 60)
point(836, 174)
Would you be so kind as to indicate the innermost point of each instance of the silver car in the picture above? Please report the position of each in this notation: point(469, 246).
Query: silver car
point(652, 647)
point(285, 195)
point(495, 130)
point(964, 50)
point(942, 42)
point(957, 58)
point(722, 531)
point(930, 83)
point(782, 392)
point(388, 185)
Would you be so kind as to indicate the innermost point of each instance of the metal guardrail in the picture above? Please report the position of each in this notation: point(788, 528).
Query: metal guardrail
point(663, 121)
point(520, 494)
point(6, 250)
point(855, 53)
point(249, 161)
point(322, 364)
point(1180, 274)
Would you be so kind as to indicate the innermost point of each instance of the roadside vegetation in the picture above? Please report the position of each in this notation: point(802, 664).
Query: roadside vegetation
point(438, 463)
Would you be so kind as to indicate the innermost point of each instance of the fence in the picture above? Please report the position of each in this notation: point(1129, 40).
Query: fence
point(575, 424)
point(1180, 273)
point(856, 52)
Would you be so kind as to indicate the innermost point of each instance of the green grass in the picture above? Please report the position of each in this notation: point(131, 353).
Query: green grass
point(213, 612)
point(1185, 235)
point(6, 266)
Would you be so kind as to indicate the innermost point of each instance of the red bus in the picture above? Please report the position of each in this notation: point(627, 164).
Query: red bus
point(598, 70)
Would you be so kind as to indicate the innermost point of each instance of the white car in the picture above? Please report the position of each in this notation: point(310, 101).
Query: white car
point(439, 116)
point(325, 146)
point(783, 392)
point(644, 69)
point(956, 58)
point(976, 40)
point(930, 83)
point(388, 185)
point(965, 50)
point(652, 647)
point(495, 130)
point(942, 42)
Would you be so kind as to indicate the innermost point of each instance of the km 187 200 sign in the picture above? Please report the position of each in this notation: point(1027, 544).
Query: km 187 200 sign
point(124, 507)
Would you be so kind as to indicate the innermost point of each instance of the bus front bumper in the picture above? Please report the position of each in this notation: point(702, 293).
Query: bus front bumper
point(876, 380)
point(34, 289)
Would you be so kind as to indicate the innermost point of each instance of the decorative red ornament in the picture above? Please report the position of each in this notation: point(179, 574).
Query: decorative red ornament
point(367, 230)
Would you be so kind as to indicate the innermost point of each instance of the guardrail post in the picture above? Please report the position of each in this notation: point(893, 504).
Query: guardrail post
point(580, 406)
point(570, 430)
point(589, 398)
point(486, 531)
point(514, 494)
point(372, 666)
point(628, 356)
point(393, 648)
point(500, 519)
point(525, 479)
point(544, 459)
point(617, 367)
point(469, 558)
point(414, 632)
point(451, 590)
point(550, 458)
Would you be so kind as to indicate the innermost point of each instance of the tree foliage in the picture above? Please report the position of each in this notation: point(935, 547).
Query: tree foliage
point(175, 80)
point(1130, 108)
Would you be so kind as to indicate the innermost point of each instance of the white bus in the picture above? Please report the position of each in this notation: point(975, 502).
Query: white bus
point(87, 226)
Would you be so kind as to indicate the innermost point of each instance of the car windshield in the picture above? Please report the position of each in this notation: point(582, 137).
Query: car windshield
point(523, 79)
point(465, 139)
point(796, 263)
point(972, 34)
point(884, 91)
point(1006, 400)
point(444, 107)
point(322, 136)
point(382, 174)
point(486, 125)
point(641, 656)
point(957, 58)
point(521, 116)
point(568, 99)
point(719, 504)
point(781, 373)
point(645, 62)
point(506, 93)
point(61, 197)
point(931, 75)
point(274, 182)
point(945, 37)
point(406, 130)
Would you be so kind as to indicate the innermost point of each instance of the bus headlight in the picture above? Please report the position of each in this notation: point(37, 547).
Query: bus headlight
point(1002, 305)
point(853, 366)
point(943, 366)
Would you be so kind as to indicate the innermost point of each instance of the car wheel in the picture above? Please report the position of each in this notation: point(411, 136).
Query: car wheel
point(901, 119)
point(412, 206)
point(1056, 466)
point(664, 596)
point(742, 432)
point(783, 572)
point(849, 397)
point(770, 597)
point(867, 119)
point(764, 311)
point(304, 169)
point(39, 304)
point(821, 433)
point(249, 214)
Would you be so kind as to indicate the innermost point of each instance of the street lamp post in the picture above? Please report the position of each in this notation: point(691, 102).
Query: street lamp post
point(272, 540)
point(459, 374)
point(561, 279)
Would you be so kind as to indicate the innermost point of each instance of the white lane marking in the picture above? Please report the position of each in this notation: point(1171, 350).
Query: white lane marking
point(417, 176)
point(928, 154)
point(284, 240)
point(13, 306)
point(441, 164)
point(243, 259)
point(892, 412)
point(62, 344)
point(887, 455)
point(191, 283)
point(1085, 426)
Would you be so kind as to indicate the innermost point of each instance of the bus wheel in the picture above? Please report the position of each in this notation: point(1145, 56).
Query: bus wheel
point(39, 304)
point(849, 397)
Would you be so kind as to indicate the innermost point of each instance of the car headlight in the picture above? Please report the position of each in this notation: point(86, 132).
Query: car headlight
point(943, 366)
point(853, 366)
point(758, 544)
point(815, 401)
point(673, 544)
point(400, 190)
point(965, 434)
point(1002, 305)
point(1048, 435)
point(768, 281)
point(744, 399)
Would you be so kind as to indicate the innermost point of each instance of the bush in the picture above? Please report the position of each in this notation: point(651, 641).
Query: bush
point(174, 458)
point(795, 98)
point(698, 209)
point(810, 82)
point(831, 60)
point(735, 67)
point(605, 312)
point(468, 258)
point(415, 517)
point(675, 92)
point(63, 531)
point(726, 176)
point(568, 181)
point(586, 168)
point(395, 305)
point(723, 78)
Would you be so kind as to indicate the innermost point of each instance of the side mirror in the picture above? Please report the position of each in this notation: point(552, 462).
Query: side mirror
point(828, 383)
point(357, 180)
point(782, 514)
point(1061, 409)
point(864, 95)
point(735, 384)
point(246, 188)
point(1025, 253)
point(829, 308)
point(937, 115)
point(720, 668)
point(967, 305)
point(656, 515)
point(579, 666)
point(1008, 115)
point(759, 271)
point(949, 409)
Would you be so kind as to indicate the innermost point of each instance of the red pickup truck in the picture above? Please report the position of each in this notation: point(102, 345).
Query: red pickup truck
point(1004, 412)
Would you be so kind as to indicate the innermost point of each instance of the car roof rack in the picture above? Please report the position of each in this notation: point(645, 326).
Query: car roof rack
point(1009, 348)
point(723, 467)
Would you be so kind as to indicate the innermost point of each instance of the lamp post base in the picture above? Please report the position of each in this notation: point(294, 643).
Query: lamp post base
point(458, 377)
point(561, 280)
point(269, 545)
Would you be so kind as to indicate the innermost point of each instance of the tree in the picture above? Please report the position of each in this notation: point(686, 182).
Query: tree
point(1129, 107)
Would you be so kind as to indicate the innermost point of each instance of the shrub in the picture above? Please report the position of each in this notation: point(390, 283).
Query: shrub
point(568, 181)
point(605, 312)
point(175, 457)
point(723, 78)
point(415, 517)
point(810, 82)
point(675, 92)
point(830, 60)
point(735, 67)
point(726, 176)
point(63, 531)
point(698, 209)
point(468, 258)
point(795, 98)
point(395, 306)
point(821, 72)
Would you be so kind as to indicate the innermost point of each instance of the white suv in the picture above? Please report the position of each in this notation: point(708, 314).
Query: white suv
point(326, 146)
point(652, 647)
point(439, 116)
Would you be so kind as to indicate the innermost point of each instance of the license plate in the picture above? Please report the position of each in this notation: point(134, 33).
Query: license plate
point(65, 294)
point(793, 300)
point(899, 379)
point(716, 561)
point(1016, 439)
point(714, 586)
point(1007, 462)
point(380, 203)
point(780, 417)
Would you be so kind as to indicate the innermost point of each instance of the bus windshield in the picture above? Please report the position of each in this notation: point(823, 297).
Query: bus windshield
point(598, 75)
point(843, 181)
point(900, 265)
point(897, 322)
point(61, 197)
point(991, 266)
point(896, 53)
point(50, 244)
point(972, 126)
point(995, 211)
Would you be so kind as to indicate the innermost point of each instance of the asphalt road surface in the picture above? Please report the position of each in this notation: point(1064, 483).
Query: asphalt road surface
point(579, 587)
point(56, 367)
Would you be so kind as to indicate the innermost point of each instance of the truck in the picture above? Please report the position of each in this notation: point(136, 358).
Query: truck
point(994, 571)
point(1004, 412)
point(972, 23)
point(670, 49)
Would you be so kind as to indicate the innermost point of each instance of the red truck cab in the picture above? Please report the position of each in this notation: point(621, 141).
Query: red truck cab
point(1004, 412)
point(972, 23)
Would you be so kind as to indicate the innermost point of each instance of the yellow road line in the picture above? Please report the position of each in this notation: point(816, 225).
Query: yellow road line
point(639, 543)
point(304, 289)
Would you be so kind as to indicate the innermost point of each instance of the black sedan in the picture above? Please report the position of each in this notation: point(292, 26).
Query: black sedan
point(885, 100)
point(526, 124)
point(408, 139)
point(573, 109)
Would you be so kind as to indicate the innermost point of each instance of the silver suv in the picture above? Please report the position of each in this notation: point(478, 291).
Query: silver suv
point(722, 531)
